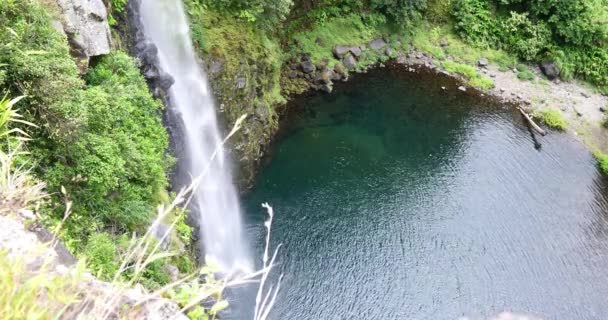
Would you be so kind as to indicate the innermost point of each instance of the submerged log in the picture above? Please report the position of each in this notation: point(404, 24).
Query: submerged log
point(532, 123)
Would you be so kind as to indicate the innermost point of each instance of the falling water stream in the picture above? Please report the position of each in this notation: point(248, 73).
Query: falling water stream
point(216, 199)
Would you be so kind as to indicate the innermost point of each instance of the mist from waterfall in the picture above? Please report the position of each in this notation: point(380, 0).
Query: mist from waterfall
point(215, 202)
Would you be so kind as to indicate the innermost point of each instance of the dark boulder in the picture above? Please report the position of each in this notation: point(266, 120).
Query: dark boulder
point(308, 67)
point(341, 51)
point(165, 81)
point(349, 62)
point(549, 69)
point(356, 51)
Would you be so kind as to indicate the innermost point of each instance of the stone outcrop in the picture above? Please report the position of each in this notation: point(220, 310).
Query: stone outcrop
point(95, 297)
point(377, 44)
point(85, 23)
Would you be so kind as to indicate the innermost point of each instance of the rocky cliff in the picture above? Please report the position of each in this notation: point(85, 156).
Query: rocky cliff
point(85, 23)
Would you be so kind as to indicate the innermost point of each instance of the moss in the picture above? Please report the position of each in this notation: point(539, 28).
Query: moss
point(428, 38)
point(319, 41)
point(428, 41)
point(235, 50)
point(553, 118)
point(482, 82)
point(459, 68)
point(526, 76)
point(470, 73)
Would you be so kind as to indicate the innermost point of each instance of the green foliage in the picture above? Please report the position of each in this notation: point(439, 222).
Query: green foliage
point(210, 287)
point(439, 11)
point(268, 13)
point(183, 230)
point(244, 50)
point(574, 33)
point(37, 63)
point(465, 70)
point(482, 82)
point(101, 255)
point(602, 160)
point(523, 37)
point(476, 23)
point(33, 295)
point(429, 42)
point(115, 168)
point(553, 118)
point(526, 75)
point(470, 73)
point(347, 30)
point(8, 118)
point(102, 140)
point(119, 5)
point(116, 6)
point(401, 12)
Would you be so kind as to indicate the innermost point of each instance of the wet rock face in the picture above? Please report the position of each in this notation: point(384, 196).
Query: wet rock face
point(85, 23)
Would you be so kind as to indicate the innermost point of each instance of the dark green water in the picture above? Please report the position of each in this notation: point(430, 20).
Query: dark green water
point(395, 199)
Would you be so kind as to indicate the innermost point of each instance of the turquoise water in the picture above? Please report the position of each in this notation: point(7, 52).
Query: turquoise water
point(395, 199)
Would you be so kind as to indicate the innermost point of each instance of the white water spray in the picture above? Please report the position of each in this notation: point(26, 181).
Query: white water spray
point(216, 201)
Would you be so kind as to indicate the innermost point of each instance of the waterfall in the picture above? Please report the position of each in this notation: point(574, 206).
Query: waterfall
point(215, 202)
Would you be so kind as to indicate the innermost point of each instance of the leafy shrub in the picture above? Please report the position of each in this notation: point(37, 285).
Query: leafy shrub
point(592, 64)
point(439, 11)
point(401, 12)
point(553, 118)
point(268, 13)
point(521, 67)
point(115, 168)
point(37, 63)
point(572, 33)
point(102, 140)
point(476, 23)
point(524, 38)
point(101, 255)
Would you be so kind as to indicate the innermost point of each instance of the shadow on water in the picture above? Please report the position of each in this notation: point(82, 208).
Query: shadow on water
point(396, 199)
